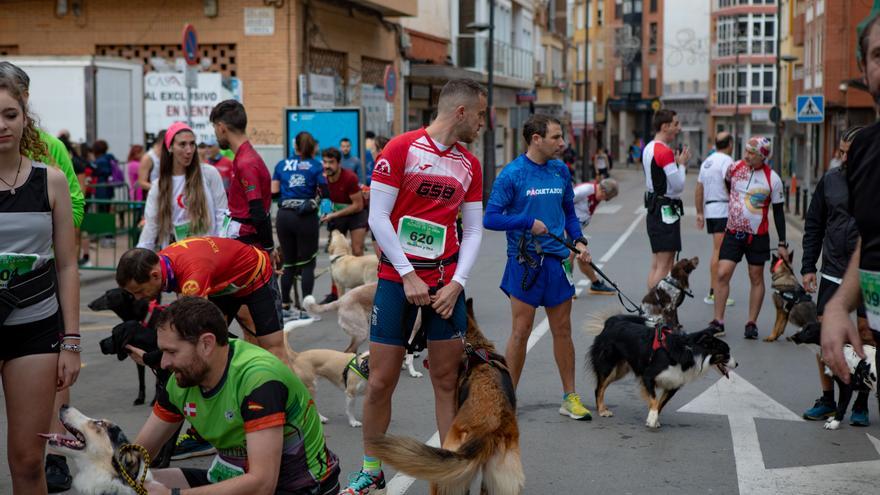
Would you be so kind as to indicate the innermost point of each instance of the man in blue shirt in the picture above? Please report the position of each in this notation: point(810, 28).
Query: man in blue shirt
point(534, 196)
point(349, 160)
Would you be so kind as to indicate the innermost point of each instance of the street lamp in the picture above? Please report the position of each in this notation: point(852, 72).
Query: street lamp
point(489, 139)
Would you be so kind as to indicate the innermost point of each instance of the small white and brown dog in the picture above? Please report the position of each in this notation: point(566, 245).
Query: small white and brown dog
point(354, 310)
point(96, 448)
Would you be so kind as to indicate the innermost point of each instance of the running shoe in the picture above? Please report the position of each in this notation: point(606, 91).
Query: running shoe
point(191, 445)
point(601, 288)
point(822, 409)
point(329, 298)
point(859, 418)
point(751, 331)
point(719, 327)
point(363, 483)
point(710, 300)
point(574, 409)
point(58, 477)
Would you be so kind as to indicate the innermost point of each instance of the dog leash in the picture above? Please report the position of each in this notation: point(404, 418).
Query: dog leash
point(632, 308)
point(136, 485)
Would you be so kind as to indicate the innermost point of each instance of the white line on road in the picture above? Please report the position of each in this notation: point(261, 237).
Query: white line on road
point(608, 209)
point(400, 483)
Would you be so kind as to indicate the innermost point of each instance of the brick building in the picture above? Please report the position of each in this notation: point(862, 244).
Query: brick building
point(266, 49)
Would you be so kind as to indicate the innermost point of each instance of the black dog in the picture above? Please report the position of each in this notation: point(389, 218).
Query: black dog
point(662, 360)
point(137, 328)
point(861, 380)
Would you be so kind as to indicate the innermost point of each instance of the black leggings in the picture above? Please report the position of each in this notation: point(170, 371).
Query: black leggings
point(298, 236)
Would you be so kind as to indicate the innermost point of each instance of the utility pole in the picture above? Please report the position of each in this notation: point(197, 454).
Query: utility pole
point(489, 141)
point(586, 166)
point(736, 148)
point(777, 140)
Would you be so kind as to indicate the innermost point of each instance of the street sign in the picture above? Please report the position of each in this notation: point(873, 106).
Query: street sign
point(190, 45)
point(810, 109)
point(390, 81)
point(775, 114)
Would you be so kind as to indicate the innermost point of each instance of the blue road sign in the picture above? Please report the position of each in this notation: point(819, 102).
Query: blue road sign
point(810, 109)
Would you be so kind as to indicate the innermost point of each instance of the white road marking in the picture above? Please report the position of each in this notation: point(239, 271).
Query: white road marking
point(742, 403)
point(400, 483)
point(608, 209)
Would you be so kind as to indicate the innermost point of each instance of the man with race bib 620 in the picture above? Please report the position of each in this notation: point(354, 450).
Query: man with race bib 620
point(421, 180)
point(754, 187)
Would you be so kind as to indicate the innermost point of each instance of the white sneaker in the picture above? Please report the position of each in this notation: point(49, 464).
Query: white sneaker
point(710, 299)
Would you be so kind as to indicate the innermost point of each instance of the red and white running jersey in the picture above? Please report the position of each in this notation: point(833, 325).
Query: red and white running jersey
point(432, 185)
point(751, 194)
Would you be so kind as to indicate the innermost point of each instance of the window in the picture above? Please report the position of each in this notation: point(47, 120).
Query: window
point(618, 9)
point(747, 85)
point(652, 38)
point(753, 34)
point(600, 13)
point(653, 6)
point(579, 17)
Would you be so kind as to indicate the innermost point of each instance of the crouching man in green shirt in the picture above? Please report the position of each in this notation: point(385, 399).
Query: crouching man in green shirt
point(245, 402)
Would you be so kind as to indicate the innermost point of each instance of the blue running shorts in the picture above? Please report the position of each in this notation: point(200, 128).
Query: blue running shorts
point(393, 317)
point(551, 286)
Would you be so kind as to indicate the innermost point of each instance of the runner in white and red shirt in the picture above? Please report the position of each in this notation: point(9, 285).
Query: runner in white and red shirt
point(754, 186)
point(419, 183)
point(587, 197)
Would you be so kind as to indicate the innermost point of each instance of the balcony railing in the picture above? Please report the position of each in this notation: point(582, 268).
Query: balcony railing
point(509, 61)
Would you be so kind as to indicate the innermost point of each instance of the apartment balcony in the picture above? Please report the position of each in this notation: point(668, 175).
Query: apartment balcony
point(514, 63)
point(391, 8)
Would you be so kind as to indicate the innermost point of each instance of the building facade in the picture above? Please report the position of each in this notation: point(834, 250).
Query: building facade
point(637, 57)
point(282, 53)
point(686, 72)
point(743, 68)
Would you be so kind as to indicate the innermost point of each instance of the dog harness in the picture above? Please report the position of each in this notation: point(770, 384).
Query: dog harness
point(362, 370)
point(674, 283)
point(791, 298)
point(661, 334)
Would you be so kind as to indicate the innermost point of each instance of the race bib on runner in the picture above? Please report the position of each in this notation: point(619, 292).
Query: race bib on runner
point(12, 264)
point(181, 231)
point(668, 214)
point(221, 470)
point(870, 283)
point(569, 270)
point(421, 238)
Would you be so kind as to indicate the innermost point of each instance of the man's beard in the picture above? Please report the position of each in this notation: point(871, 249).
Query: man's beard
point(191, 376)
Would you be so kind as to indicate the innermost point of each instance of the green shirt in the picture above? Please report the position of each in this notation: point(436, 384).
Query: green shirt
point(256, 392)
point(60, 159)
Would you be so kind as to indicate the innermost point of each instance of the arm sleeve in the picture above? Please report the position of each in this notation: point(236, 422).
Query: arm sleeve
point(779, 220)
point(264, 407)
point(261, 222)
point(472, 235)
point(665, 159)
point(814, 229)
point(147, 240)
point(382, 198)
point(218, 196)
point(583, 191)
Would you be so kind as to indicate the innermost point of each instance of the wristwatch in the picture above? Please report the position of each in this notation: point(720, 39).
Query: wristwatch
point(175, 491)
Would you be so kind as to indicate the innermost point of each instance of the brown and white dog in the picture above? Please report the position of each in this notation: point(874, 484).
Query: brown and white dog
point(347, 270)
point(346, 370)
point(484, 434)
point(662, 301)
point(354, 310)
point(96, 448)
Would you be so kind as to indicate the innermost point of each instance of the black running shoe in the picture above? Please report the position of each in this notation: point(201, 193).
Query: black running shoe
point(751, 332)
point(58, 477)
point(329, 298)
point(718, 327)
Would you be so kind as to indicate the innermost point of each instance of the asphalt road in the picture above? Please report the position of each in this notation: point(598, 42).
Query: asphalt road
point(742, 435)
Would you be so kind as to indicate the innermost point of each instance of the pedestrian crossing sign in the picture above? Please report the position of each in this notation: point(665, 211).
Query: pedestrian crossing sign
point(810, 109)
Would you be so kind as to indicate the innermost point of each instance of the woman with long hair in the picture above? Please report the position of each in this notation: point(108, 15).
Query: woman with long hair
point(187, 199)
point(40, 352)
point(298, 180)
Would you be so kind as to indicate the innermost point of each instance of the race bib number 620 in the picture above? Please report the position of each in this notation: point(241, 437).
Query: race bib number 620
point(421, 238)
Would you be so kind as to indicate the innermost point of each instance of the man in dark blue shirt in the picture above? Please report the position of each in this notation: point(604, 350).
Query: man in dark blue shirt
point(534, 196)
